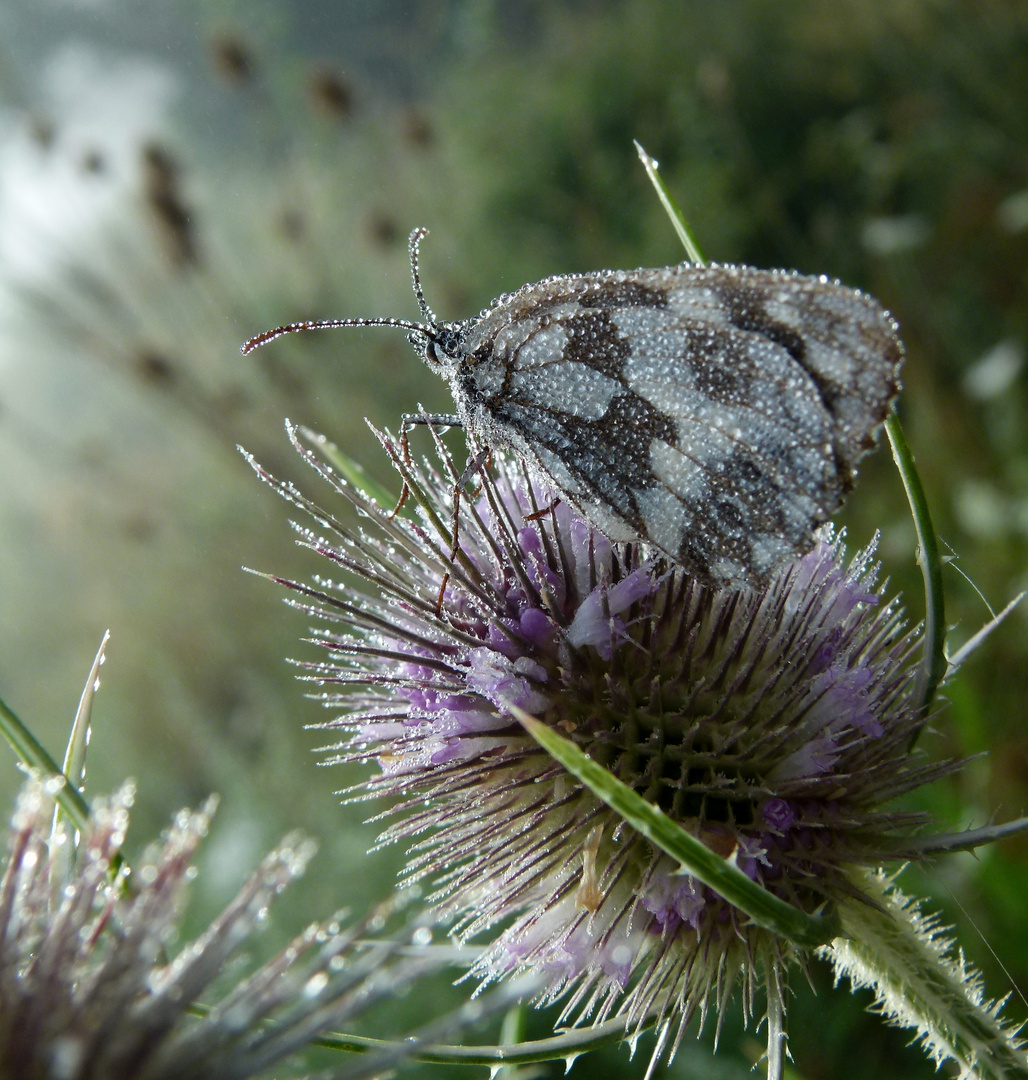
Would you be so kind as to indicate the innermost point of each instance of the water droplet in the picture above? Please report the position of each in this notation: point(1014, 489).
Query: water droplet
point(315, 984)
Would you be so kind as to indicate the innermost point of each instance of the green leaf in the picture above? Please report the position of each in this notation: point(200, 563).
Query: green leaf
point(34, 756)
point(933, 665)
point(349, 469)
point(694, 857)
point(692, 249)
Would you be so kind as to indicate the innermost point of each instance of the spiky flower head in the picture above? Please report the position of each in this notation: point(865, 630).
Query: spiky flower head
point(94, 982)
point(770, 723)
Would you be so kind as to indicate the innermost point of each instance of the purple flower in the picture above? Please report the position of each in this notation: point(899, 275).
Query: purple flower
point(771, 723)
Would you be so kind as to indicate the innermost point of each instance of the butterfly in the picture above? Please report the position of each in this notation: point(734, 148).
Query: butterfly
point(717, 413)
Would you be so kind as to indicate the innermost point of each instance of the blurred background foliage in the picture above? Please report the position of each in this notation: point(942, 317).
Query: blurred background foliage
point(175, 177)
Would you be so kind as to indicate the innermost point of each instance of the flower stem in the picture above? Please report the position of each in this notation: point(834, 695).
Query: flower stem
point(921, 984)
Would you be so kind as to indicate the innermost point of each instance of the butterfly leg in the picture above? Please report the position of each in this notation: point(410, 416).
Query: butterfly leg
point(548, 509)
point(407, 421)
point(437, 420)
point(473, 466)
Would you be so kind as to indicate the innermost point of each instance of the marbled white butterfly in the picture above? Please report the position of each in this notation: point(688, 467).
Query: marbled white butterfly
point(717, 413)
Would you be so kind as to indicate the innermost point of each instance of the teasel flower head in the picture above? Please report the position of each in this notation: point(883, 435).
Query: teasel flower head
point(94, 981)
point(774, 724)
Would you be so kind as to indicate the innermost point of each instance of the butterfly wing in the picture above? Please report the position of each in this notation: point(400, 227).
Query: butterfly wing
point(717, 413)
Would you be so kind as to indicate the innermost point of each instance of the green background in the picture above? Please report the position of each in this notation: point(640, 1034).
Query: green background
point(176, 177)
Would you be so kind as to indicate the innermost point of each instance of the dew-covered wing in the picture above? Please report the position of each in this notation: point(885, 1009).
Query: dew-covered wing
point(717, 413)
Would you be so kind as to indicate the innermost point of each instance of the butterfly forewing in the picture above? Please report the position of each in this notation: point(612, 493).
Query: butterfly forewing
point(717, 413)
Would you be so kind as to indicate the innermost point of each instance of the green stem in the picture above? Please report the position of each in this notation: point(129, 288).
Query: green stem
point(923, 983)
point(566, 1046)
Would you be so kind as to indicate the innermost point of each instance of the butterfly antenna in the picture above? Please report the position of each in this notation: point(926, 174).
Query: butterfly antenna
point(330, 324)
point(427, 331)
point(414, 243)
